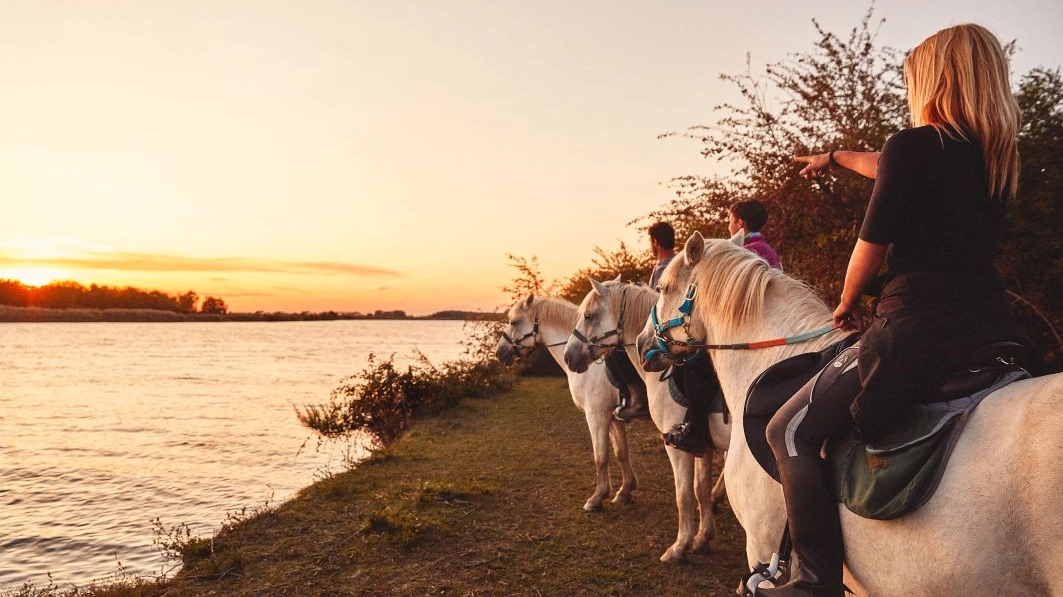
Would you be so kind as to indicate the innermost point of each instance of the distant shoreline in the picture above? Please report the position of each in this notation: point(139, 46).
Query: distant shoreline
point(9, 314)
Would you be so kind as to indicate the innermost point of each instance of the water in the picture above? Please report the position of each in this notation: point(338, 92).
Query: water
point(106, 426)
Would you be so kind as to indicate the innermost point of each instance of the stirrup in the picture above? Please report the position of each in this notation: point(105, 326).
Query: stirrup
point(682, 437)
point(776, 572)
point(620, 415)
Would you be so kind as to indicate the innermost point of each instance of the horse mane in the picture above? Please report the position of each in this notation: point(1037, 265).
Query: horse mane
point(640, 298)
point(733, 284)
point(552, 310)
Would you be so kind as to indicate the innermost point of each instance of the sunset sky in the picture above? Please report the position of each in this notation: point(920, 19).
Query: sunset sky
point(361, 155)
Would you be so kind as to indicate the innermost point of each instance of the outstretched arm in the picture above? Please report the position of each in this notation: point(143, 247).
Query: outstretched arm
point(864, 163)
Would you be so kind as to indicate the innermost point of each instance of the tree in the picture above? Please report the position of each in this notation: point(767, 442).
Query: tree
point(846, 93)
point(529, 280)
point(186, 303)
point(1032, 259)
point(214, 305)
point(632, 267)
point(14, 293)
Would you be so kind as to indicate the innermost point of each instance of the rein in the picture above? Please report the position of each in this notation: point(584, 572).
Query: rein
point(663, 341)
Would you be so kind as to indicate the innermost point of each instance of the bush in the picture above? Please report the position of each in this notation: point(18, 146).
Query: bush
point(383, 401)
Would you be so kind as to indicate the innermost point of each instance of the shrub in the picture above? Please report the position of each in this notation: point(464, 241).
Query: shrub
point(382, 401)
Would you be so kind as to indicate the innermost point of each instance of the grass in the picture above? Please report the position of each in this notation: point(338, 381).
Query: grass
point(483, 499)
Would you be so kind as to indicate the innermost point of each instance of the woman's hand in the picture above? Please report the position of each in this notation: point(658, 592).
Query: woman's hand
point(814, 164)
point(850, 317)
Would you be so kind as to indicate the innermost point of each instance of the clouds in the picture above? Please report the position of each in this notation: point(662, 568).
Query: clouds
point(125, 261)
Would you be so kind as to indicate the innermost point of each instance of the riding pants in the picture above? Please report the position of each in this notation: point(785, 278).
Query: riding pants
point(817, 411)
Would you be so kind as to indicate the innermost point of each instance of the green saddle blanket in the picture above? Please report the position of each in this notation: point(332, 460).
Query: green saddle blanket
point(899, 472)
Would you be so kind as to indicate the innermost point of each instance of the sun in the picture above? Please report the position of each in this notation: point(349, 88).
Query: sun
point(33, 276)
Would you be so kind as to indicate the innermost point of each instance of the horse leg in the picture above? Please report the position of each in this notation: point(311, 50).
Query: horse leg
point(720, 432)
point(719, 490)
point(685, 500)
point(706, 502)
point(599, 424)
point(629, 482)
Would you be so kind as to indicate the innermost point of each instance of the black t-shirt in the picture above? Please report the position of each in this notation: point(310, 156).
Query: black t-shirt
point(931, 205)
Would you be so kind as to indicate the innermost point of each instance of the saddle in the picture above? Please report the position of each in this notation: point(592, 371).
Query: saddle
point(899, 472)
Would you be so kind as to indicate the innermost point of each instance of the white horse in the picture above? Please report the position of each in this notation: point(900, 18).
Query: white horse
point(991, 527)
point(547, 322)
point(615, 311)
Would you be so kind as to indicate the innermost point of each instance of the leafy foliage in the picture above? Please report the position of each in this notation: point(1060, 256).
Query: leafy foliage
point(1032, 259)
point(846, 93)
point(382, 400)
point(630, 266)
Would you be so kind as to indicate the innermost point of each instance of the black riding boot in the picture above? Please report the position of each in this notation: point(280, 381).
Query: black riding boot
point(692, 435)
point(633, 405)
point(622, 374)
point(815, 530)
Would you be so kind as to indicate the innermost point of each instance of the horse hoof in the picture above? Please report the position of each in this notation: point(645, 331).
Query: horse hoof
point(673, 556)
point(623, 498)
point(592, 507)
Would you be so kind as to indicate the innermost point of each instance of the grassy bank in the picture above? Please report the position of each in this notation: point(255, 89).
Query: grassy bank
point(484, 499)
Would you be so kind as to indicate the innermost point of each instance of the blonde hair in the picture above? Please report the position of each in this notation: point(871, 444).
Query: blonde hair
point(958, 83)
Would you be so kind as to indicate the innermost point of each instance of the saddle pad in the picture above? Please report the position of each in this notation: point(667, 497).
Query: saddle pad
point(900, 471)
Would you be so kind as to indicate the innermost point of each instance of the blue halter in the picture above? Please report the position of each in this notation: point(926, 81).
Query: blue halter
point(659, 329)
point(683, 320)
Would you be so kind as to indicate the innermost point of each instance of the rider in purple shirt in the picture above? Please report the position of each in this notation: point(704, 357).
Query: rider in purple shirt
point(751, 216)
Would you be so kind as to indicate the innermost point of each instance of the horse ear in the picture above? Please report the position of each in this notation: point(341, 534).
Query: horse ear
point(528, 302)
point(598, 286)
point(619, 278)
point(694, 248)
point(739, 237)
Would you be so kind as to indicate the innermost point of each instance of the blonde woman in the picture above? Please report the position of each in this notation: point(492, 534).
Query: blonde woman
point(935, 220)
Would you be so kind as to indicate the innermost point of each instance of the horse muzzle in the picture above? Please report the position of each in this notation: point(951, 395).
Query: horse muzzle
point(577, 358)
point(506, 354)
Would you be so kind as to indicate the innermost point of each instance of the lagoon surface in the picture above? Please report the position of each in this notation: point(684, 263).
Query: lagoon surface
point(105, 427)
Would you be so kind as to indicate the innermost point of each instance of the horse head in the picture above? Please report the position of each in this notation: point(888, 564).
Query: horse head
point(670, 333)
point(599, 323)
point(520, 335)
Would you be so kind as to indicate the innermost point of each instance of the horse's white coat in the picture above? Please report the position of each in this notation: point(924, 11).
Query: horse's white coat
point(599, 313)
point(991, 528)
point(591, 392)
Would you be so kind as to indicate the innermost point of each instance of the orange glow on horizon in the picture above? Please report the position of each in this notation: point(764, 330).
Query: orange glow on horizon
point(34, 276)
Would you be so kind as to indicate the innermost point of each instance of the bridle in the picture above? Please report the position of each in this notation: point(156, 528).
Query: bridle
point(524, 350)
point(664, 341)
point(519, 342)
point(618, 331)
